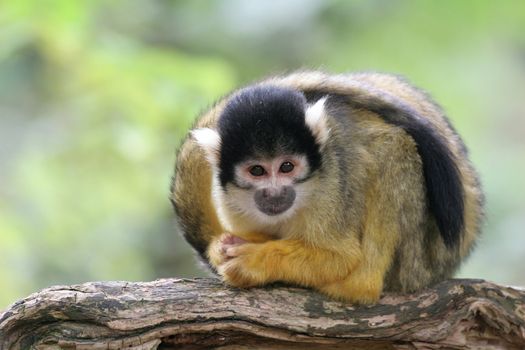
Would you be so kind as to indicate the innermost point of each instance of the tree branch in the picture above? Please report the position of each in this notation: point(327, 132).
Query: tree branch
point(203, 313)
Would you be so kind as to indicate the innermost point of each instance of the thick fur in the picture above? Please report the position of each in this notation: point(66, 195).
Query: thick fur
point(394, 202)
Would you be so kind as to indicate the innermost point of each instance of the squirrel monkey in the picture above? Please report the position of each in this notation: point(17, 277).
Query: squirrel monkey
point(350, 184)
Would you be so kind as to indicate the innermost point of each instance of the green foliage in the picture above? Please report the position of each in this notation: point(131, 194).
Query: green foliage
point(95, 97)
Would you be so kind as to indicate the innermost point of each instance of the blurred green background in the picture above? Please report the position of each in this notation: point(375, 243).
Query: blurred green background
point(95, 96)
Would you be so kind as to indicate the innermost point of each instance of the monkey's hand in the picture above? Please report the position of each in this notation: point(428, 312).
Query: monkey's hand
point(217, 248)
point(243, 263)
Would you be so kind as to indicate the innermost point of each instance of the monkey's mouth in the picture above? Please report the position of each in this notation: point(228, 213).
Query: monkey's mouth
point(274, 209)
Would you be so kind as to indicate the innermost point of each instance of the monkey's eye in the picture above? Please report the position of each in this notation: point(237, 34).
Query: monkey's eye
point(286, 167)
point(257, 170)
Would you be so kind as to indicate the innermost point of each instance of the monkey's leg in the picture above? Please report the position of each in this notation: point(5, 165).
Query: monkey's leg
point(394, 212)
point(365, 283)
point(289, 260)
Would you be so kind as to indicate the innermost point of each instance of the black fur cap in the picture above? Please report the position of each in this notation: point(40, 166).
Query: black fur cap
point(264, 121)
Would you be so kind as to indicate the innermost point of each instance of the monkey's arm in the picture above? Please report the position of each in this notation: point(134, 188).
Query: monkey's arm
point(288, 260)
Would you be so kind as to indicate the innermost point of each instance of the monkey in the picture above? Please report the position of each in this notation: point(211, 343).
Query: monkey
point(350, 184)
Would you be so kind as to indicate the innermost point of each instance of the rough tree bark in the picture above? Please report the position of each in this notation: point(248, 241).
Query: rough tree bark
point(203, 313)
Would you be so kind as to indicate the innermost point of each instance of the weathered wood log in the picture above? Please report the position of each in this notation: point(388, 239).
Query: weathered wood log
point(203, 314)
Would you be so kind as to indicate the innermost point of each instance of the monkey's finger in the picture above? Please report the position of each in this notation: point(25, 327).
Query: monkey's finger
point(237, 250)
point(225, 248)
point(229, 239)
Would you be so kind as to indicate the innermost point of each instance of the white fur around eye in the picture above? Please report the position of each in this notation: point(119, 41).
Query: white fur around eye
point(315, 118)
point(210, 141)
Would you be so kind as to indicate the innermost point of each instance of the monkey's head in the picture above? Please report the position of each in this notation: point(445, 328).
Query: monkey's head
point(265, 150)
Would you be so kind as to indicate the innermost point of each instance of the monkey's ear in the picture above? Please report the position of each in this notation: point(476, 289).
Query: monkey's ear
point(315, 118)
point(210, 141)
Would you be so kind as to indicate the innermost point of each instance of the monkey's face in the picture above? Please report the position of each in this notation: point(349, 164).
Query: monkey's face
point(271, 187)
point(267, 143)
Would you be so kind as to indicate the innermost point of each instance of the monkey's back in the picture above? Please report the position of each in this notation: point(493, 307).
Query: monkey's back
point(427, 108)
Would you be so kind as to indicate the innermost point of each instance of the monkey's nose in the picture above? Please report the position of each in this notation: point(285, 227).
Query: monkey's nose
point(274, 201)
point(271, 192)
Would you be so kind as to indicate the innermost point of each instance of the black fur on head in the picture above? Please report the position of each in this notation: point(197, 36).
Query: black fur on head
point(264, 121)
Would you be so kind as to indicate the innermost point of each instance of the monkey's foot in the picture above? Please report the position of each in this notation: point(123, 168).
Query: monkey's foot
point(355, 288)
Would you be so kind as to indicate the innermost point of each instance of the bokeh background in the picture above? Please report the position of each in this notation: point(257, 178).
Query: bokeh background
point(95, 96)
